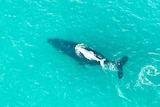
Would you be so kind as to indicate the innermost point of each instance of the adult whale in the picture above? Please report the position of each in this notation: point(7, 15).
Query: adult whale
point(86, 55)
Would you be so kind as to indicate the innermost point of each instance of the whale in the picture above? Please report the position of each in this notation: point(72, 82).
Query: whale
point(86, 55)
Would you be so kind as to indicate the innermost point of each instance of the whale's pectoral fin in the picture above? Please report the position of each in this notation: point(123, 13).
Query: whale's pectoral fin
point(120, 64)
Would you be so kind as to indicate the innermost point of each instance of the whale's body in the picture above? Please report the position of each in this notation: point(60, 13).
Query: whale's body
point(85, 55)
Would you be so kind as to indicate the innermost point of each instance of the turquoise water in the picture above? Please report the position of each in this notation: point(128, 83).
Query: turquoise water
point(32, 73)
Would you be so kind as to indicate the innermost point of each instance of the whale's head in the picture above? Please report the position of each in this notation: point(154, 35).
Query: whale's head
point(57, 43)
point(63, 45)
point(53, 41)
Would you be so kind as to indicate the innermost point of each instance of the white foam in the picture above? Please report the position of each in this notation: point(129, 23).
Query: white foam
point(110, 67)
point(122, 95)
point(148, 71)
point(78, 1)
point(153, 53)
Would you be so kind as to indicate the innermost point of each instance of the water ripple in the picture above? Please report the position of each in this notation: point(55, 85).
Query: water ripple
point(149, 75)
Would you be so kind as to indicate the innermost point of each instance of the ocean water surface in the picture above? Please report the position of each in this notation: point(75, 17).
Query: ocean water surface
point(34, 74)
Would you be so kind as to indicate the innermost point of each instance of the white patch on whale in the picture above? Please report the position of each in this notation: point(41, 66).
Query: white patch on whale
point(90, 55)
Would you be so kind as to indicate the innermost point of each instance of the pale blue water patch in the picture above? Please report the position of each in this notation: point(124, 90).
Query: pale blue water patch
point(32, 73)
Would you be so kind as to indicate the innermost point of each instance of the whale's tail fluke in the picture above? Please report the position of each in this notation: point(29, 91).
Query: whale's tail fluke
point(120, 64)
